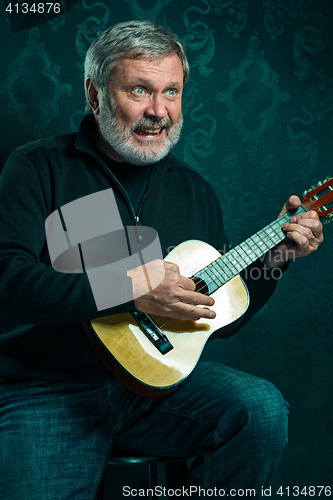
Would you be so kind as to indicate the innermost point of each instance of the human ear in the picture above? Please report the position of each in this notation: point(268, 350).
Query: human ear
point(93, 96)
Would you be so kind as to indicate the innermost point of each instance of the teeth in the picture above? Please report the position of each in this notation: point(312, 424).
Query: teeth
point(148, 131)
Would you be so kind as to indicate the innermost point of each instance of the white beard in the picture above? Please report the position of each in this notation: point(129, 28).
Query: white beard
point(115, 136)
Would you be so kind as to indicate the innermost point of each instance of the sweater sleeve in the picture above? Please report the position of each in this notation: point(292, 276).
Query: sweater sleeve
point(31, 290)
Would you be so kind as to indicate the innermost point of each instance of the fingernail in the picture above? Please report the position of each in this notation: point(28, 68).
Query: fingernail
point(293, 219)
point(212, 315)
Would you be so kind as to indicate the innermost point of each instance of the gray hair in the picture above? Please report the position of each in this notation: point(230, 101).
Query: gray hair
point(135, 40)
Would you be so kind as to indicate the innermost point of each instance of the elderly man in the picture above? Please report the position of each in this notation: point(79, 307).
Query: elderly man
point(62, 411)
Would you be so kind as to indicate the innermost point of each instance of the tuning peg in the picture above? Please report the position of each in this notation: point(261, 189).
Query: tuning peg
point(328, 218)
point(316, 186)
point(307, 191)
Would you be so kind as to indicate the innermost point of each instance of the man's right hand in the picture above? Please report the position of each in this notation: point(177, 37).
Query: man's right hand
point(174, 296)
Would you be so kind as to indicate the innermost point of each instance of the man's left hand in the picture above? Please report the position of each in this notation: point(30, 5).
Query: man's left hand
point(303, 235)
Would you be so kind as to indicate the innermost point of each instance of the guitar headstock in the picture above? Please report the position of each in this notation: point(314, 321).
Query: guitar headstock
point(320, 199)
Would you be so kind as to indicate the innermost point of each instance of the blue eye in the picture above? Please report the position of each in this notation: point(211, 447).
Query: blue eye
point(138, 90)
point(171, 92)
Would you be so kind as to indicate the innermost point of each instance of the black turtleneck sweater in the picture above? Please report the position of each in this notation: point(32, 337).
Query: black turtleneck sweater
point(41, 310)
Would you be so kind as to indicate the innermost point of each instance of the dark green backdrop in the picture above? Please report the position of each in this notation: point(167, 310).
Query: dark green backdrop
point(258, 125)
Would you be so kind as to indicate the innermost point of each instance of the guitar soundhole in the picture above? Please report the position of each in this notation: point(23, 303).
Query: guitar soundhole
point(200, 285)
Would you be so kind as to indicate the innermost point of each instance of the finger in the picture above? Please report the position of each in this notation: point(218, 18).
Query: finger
point(299, 238)
point(310, 220)
point(314, 225)
point(170, 266)
point(195, 298)
point(312, 228)
point(292, 203)
point(187, 283)
point(298, 228)
point(305, 216)
point(193, 312)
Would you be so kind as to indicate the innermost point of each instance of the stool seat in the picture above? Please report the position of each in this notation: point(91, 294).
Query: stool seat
point(121, 458)
point(143, 475)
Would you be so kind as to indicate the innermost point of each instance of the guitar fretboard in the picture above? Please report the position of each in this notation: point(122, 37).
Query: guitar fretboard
point(238, 258)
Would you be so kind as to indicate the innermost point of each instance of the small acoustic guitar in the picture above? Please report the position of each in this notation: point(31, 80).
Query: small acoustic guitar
point(152, 356)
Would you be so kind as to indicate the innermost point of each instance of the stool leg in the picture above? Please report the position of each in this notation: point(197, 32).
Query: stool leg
point(140, 476)
point(101, 489)
point(175, 474)
point(153, 480)
point(145, 477)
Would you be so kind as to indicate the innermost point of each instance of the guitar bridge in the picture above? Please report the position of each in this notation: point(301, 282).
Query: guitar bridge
point(152, 332)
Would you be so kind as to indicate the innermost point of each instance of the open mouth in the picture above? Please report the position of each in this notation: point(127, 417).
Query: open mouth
point(149, 131)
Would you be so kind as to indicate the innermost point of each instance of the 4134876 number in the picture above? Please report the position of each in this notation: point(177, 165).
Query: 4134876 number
point(34, 8)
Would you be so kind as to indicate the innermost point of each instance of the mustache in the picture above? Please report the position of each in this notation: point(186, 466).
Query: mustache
point(149, 122)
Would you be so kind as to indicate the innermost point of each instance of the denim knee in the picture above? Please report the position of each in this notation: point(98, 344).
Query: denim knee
point(259, 412)
point(269, 411)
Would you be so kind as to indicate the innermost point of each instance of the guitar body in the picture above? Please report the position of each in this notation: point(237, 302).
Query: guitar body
point(153, 356)
point(134, 359)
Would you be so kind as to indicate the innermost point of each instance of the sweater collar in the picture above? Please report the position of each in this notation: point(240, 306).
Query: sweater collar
point(85, 142)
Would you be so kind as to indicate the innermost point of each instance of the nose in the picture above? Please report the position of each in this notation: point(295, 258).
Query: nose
point(156, 107)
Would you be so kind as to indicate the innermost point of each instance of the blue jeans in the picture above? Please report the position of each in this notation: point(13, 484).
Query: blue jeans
point(56, 437)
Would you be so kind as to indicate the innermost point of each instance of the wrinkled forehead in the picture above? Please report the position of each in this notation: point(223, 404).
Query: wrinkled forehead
point(144, 58)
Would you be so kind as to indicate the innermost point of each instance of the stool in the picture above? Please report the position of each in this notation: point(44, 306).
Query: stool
point(144, 474)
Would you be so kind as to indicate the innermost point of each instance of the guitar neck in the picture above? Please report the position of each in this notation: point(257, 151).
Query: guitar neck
point(238, 258)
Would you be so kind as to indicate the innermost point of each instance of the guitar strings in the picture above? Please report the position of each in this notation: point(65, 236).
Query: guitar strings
point(225, 258)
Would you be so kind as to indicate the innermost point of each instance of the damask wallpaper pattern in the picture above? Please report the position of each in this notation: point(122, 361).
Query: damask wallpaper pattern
point(258, 115)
